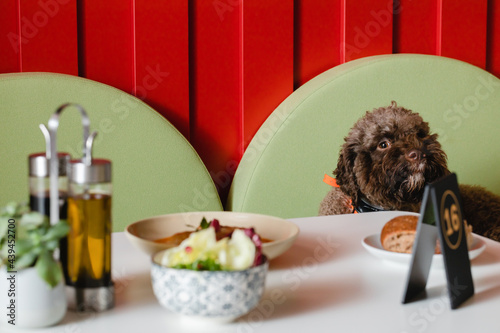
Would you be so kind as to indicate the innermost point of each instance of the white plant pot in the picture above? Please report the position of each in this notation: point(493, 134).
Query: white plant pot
point(27, 301)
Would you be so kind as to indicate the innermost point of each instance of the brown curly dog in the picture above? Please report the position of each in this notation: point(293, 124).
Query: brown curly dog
point(387, 159)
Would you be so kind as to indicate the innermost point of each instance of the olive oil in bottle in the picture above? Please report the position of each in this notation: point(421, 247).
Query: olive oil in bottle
point(89, 241)
point(86, 251)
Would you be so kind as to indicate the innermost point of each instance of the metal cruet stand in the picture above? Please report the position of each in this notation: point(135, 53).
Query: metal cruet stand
point(81, 295)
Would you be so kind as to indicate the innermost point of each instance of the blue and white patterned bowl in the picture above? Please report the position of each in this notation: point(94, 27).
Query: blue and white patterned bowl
point(220, 296)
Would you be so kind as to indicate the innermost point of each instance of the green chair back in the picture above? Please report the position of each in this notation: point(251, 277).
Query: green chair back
point(281, 172)
point(154, 168)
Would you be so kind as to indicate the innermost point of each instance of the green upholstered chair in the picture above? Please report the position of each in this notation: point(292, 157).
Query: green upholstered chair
point(281, 172)
point(154, 168)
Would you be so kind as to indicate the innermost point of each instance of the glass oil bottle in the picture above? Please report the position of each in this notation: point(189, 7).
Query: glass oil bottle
point(86, 251)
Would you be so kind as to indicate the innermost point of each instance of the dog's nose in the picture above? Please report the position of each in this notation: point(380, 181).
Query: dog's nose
point(414, 155)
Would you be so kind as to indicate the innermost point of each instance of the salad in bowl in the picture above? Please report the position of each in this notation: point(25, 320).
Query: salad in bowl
point(210, 277)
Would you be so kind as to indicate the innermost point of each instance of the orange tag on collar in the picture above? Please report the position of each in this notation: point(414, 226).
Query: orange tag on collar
point(330, 181)
point(333, 182)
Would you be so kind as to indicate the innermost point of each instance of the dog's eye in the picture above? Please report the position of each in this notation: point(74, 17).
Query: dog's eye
point(384, 145)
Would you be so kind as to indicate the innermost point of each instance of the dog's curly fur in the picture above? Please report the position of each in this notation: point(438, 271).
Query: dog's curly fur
point(387, 159)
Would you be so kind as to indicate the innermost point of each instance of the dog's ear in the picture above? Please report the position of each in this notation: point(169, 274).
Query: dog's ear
point(344, 173)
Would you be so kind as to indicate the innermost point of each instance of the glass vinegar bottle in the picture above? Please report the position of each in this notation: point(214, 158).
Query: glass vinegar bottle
point(39, 183)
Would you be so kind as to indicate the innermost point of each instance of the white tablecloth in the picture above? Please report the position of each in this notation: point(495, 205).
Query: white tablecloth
point(327, 282)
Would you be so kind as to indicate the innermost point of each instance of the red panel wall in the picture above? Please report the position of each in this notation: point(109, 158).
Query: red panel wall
point(367, 28)
point(38, 36)
point(317, 37)
point(162, 59)
point(463, 30)
point(267, 55)
point(49, 36)
point(415, 26)
point(493, 42)
point(10, 39)
point(216, 69)
point(216, 87)
point(107, 42)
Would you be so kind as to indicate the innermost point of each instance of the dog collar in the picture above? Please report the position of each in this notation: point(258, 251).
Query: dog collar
point(364, 206)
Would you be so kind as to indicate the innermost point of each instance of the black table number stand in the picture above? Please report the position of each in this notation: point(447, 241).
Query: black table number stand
point(441, 217)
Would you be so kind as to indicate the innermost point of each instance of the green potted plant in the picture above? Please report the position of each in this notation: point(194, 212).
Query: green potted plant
point(28, 267)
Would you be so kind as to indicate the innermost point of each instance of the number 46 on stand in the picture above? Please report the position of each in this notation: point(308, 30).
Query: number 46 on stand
point(441, 216)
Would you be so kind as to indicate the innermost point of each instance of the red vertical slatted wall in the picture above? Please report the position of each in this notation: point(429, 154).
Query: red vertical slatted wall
point(267, 60)
point(162, 58)
point(216, 86)
point(463, 30)
point(367, 28)
point(49, 36)
point(317, 38)
point(415, 24)
point(493, 38)
point(10, 39)
point(216, 69)
point(107, 43)
point(38, 36)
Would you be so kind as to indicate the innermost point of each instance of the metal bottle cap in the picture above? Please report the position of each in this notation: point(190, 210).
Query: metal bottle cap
point(98, 171)
point(39, 164)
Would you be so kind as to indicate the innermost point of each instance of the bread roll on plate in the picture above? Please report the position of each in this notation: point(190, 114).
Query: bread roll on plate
point(398, 234)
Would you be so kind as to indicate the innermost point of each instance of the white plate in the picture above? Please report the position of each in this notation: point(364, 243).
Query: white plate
point(143, 233)
point(372, 244)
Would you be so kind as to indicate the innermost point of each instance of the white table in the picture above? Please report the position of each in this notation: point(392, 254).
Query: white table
point(327, 282)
